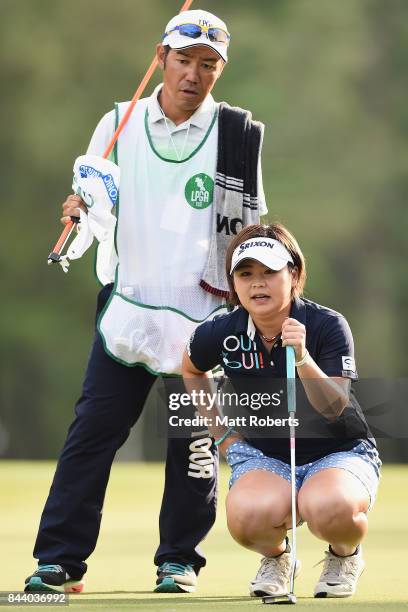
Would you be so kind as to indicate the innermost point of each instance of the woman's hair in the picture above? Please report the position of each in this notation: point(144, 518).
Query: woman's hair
point(278, 232)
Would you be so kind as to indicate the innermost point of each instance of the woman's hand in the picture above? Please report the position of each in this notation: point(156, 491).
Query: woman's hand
point(294, 334)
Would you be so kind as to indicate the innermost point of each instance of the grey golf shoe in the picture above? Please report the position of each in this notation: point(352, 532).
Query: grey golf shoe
point(273, 576)
point(340, 575)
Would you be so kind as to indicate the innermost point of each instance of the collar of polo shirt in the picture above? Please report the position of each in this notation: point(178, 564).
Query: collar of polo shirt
point(200, 118)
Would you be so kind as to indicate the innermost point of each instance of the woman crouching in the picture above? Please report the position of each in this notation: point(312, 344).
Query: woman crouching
point(336, 474)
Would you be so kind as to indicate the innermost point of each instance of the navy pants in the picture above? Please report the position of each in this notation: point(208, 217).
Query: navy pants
point(112, 400)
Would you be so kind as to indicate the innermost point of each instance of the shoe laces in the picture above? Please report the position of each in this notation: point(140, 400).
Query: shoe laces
point(337, 569)
point(277, 567)
point(50, 568)
point(175, 568)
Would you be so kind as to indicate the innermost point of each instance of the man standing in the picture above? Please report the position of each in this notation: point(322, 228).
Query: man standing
point(190, 179)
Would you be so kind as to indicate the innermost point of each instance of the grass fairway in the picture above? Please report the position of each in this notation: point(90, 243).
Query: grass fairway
point(121, 572)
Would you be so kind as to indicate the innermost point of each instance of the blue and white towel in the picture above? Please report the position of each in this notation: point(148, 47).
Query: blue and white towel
point(96, 180)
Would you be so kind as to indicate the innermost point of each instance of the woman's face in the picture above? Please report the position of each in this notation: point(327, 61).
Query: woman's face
point(262, 291)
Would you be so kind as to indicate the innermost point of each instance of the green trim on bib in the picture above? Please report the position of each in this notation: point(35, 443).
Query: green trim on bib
point(176, 310)
point(140, 363)
point(177, 161)
point(105, 347)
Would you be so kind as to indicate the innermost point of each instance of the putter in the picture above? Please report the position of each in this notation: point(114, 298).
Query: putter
point(290, 598)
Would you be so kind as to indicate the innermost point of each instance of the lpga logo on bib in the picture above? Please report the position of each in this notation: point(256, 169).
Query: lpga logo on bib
point(199, 191)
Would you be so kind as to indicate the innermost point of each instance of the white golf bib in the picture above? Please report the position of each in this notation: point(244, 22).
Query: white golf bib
point(163, 236)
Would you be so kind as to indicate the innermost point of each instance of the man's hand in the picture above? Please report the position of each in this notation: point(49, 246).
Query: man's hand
point(294, 334)
point(70, 208)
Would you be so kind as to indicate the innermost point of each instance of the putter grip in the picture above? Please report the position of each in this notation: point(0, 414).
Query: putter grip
point(291, 378)
point(290, 362)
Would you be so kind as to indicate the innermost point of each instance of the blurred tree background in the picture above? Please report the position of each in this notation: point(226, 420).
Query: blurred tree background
point(329, 80)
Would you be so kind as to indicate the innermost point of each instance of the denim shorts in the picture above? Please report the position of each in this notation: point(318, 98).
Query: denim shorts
point(362, 461)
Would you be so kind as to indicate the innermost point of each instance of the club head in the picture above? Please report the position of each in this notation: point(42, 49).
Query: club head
point(289, 598)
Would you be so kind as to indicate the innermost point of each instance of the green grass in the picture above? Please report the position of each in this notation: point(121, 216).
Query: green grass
point(121, 572)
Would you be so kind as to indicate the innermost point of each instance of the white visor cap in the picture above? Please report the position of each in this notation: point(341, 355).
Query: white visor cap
point(176, 40)
point(268, 251)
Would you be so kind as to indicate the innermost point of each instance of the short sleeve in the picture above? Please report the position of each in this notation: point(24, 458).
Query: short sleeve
point(102, 135)
point(202, 348)
point(336, 354)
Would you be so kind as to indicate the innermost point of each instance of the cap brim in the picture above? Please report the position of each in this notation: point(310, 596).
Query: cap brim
point(179, 42)
point(267, 259)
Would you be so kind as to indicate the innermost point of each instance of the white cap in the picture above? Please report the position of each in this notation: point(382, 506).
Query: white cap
point(201, 18)
point(267, 251)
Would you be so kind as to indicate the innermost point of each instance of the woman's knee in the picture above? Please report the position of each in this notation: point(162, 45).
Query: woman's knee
point(249, 517)
point(328, 513)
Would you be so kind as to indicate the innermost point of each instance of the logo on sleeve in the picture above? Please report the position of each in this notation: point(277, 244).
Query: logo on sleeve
point(349, 365)
point(199, 191)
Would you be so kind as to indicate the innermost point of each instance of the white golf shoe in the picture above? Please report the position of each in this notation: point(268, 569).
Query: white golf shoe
point(273, 576)
point(340, 575)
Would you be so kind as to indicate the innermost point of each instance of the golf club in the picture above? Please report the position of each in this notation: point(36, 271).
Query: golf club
point(290, 598)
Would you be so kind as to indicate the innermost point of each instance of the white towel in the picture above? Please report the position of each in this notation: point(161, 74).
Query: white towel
point(96, 180)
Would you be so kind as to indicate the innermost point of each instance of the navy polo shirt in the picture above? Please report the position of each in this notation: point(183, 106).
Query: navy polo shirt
point(232, 342)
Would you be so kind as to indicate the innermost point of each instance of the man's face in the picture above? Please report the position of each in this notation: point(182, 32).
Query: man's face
point(189, 75)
